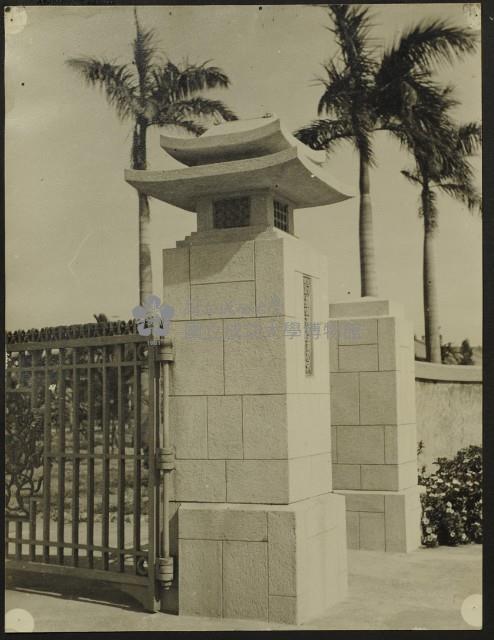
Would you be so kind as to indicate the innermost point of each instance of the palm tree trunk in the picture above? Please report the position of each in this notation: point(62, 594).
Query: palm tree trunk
point(145, 270)
point(368, 280)
point(139, 161)
point(431, 316)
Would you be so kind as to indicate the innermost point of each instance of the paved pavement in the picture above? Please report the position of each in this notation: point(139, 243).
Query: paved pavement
point(421, 590)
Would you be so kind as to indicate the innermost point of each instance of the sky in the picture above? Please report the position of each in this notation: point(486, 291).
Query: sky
point(71, 220)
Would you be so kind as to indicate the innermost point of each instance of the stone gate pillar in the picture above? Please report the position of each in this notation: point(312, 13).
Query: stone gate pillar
point(374, 449)
point(259, 532)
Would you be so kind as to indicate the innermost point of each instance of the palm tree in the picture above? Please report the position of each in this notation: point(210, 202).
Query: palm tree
point(365, 93)
point(441, 150)
point(154, 92)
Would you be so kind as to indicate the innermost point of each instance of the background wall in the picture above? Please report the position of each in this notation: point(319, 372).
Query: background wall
point(449, 411)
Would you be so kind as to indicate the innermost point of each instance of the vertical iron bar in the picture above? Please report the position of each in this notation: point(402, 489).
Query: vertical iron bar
point(18, 538)
point(32, 528)
point(61, 460)
point(47, 463)
point(153, 412)
point(137, 449)
point(75, 460)
point(90, 463)
point(165, 443)
point(121, 464)
point(106, 464)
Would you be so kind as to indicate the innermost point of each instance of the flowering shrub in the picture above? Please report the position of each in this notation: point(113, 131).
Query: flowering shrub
point(452, 502)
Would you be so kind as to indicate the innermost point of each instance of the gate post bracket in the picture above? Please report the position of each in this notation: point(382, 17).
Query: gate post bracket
point(165, 464)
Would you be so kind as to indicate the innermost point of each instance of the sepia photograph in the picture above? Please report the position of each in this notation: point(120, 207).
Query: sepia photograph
point(243, 317)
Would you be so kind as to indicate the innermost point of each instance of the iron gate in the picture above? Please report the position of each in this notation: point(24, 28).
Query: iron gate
point(86, 444)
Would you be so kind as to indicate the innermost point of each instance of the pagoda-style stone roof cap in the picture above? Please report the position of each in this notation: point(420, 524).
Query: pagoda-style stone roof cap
point(241, 156)
point(236, 140)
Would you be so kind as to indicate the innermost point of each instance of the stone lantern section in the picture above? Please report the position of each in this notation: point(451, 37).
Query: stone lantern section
point(258, 531)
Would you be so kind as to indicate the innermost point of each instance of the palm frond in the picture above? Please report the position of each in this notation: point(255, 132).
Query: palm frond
point(426, 44)
point(464, 192)
point(351, 26)
point(200, 107)
point(194, 78)
point(116, 81)
point(412, 176)
point(469, 138)
point(187, 125)
point(337, 96)
point(144, 49)
point(324, 134)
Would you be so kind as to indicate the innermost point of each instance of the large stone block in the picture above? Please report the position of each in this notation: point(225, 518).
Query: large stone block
point(320, 474)
point(311, 410)
point(365, 307)
point(346, 476)
point(360, 445)
point(245, 580)
point(309, 476)
point(380, 477)
point(282, 542)
point(176, 282)
point(334, 446)
point(322, 571)
point(225, 427)
point(193, 375)
point(265, 426)
point(257, 481)
point(345, 398)
point(200, 481)
point(271, 283)
point(371, 536)
point(283, 609)
point(406, 396)
point(188, 418)
point(388, 344)
point(403, 521)
point(222, 262)
point(364, 501)
point(200, 578)
point(255, 358)
point(223, 300)
point(378, 397)
point(353, 529)
point(223, 522)
point(322, 513)
point(400, 443)
point(389, 477)
point(357, 332)
point(332, 334)
point(358, 358)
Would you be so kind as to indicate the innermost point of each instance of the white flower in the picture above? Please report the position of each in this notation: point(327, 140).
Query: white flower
point(52, 387)
point(425, 520)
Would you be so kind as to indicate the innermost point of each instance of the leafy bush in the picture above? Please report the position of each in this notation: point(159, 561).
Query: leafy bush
point(452, 502)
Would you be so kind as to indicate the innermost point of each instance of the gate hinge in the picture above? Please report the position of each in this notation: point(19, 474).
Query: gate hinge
point(164, 571)
point(165, 459)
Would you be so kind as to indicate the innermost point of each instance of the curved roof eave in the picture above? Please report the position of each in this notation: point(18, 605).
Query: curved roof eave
point(288, 172)
point(234, 142)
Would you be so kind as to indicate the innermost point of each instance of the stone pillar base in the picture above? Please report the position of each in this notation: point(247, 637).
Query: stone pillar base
point(383, 520)
point(279, 563)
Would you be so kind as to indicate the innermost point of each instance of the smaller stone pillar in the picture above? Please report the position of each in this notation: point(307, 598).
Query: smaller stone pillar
point(374, 441)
